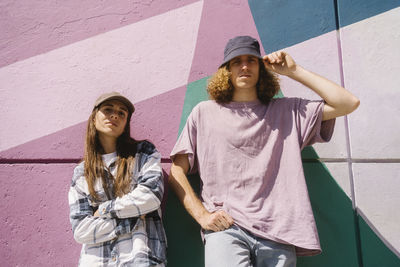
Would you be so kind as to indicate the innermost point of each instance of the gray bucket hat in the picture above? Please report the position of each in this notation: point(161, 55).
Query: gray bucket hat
point(241, 45)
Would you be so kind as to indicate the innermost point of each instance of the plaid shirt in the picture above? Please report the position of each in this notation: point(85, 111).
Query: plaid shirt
point(122, 235)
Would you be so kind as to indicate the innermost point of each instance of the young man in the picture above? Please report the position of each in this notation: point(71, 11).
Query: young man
point(254, 208)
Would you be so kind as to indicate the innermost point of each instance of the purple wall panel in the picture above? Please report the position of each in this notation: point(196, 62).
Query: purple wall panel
point(220, 21)
point(57, 89)
point(35, 216)
point(29, 28)
point(66, 144)
point(156, 119)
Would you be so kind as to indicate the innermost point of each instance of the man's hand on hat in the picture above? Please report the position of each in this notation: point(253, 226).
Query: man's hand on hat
point(280, 62)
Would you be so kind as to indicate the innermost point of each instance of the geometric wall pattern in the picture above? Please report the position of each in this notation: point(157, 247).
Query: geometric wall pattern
point(57, 57)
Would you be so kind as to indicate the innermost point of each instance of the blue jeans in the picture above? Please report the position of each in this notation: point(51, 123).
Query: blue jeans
point(237, 247)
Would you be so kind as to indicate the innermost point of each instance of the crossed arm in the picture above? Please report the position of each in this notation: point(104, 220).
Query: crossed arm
point(216, 221)
point(118, 216)
point(338, 101)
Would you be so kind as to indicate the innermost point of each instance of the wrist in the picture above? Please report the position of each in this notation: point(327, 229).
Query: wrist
point(202, 216)
point(296, 73)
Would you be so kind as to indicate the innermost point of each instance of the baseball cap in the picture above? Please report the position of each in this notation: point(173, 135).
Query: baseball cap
point(115, 96)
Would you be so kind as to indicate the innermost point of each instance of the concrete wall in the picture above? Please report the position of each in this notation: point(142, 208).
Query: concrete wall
point(57, 57)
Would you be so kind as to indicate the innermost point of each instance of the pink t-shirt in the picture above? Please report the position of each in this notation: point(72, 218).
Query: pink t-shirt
point(248, 157)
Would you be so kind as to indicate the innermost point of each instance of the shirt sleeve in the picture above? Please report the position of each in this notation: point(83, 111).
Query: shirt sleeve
point(311, 128)
point(187, 141)
point(87, 228)
point(146, 196)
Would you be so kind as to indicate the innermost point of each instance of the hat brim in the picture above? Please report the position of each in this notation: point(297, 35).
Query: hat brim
point(240, 52)
point(121, 99)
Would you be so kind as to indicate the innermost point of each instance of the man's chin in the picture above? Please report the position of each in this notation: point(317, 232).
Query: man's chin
point(245, 85)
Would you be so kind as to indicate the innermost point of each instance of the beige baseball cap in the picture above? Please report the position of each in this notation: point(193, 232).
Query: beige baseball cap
point(115, 96)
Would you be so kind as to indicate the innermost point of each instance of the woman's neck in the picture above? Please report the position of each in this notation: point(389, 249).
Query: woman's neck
point(108, 143)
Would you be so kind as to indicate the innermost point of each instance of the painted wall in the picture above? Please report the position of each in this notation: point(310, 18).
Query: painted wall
point(57, 57)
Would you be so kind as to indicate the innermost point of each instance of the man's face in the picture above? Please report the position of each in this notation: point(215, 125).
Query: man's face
point(111, 118)
point(245, 72)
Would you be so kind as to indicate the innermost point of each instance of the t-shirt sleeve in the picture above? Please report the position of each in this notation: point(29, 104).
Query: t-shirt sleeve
point(309, 122)
point(187, 141)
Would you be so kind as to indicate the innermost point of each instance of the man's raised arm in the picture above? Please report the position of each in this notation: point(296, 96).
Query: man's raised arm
point(339, 101)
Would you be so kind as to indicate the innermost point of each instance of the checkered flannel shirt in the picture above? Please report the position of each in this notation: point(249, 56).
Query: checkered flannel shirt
point(121, 236)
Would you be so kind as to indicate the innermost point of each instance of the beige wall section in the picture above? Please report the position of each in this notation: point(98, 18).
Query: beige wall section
point(370, 62)
point(320, 50)
point(370, 140)
point(340, 172)
point(377, 189)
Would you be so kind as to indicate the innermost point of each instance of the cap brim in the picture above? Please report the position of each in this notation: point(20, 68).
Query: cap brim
point(123, 100)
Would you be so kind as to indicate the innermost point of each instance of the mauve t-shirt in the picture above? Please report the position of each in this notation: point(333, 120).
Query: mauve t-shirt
point(248, 157)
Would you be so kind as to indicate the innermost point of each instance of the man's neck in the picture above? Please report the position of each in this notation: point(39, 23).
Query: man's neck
point(244, 95)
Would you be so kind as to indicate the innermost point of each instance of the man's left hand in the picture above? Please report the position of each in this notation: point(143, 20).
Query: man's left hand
point(280, 62)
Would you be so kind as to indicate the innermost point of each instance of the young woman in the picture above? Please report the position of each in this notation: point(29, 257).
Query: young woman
point(116, 192)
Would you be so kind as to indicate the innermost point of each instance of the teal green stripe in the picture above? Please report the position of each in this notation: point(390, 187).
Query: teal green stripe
point(374, 251)
point(185, 247)
point(195, 93)
point(334, 217)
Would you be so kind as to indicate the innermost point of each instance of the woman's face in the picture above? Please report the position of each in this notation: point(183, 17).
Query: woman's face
point(111, 118)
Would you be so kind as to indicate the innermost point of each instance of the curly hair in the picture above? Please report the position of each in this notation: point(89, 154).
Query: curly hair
point(220, 87)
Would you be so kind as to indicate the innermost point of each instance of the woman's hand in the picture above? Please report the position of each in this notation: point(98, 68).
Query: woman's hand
point(96, 214)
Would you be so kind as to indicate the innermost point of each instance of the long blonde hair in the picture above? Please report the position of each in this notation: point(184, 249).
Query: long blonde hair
point(93, 162)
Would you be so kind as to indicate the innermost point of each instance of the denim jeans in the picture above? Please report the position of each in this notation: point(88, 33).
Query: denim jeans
point(236, 247)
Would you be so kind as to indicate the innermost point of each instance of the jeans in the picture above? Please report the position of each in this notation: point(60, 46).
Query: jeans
point(236, 247)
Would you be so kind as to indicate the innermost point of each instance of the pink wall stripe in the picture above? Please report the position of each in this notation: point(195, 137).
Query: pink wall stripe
point(35, 216)
point(29, 28)
point(220, 21)
point(55, 89)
